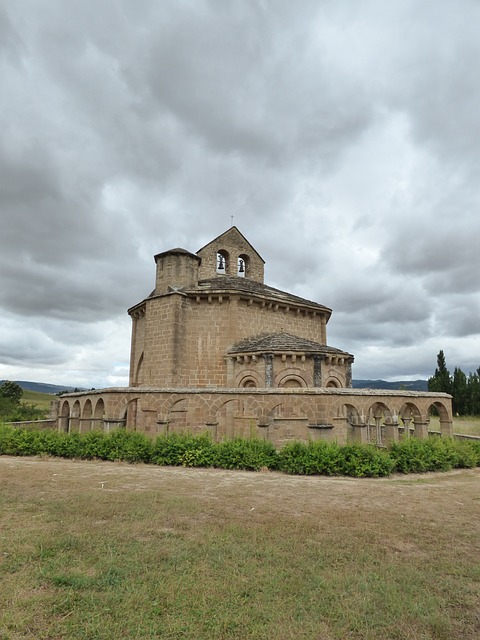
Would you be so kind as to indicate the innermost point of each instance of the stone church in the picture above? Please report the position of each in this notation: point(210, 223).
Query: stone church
point(216, 349)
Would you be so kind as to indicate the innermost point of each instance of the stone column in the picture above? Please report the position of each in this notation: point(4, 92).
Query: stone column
point(268, 369)
point(391, 430)
point(317, 371)
point(421, 430)
point(446, 428)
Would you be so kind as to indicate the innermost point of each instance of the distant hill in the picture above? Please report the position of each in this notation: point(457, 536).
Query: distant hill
point(406, 385)
point(43, 387)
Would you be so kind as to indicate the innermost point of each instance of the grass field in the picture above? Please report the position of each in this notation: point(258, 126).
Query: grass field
point(41, 400)
point(468, 425)
point(94, 550)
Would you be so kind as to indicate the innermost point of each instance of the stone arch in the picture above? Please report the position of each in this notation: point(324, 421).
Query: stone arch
point(352, 414)
point(243, 264)
point(87, 415)
point(99, 414)
point(223, 262)
point(446, 422)
point(64, 421)
point(130, 413)
point(246, 376)
point(378, 416)
point(333, 382)
point(290, 378)
point(351, 422)
point(409, 413)
point(177, 414)
point(223, 418)
point(75, 416)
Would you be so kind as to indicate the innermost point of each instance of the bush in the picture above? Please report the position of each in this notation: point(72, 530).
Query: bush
point(315, 458)
point(329, 458)
point(250, 455)
point(366, 461)
point(433, 454)
point(128, 446)
point(178, 449)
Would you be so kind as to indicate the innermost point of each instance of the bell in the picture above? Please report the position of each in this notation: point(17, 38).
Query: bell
point(241, 266)
point(221, 262)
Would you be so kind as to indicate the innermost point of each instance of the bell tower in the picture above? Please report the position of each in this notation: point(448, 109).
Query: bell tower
point(230, 254)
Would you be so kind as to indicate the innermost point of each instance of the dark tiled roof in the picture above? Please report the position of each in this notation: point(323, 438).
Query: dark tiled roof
point(284, 342)
point(247, 286)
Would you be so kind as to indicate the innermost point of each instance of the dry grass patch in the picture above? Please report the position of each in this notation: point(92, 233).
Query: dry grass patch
point(102, 550)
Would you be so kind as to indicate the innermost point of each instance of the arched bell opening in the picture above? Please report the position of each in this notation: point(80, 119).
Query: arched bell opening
point(223, 262)
point(242, 265)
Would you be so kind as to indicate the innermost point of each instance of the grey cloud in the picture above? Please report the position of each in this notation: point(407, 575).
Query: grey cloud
point(341, 136)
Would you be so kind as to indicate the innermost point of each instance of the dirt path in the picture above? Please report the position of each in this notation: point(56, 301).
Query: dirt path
point(449, 498)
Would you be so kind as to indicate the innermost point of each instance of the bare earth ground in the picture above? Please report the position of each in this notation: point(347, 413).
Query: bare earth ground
point(412, 520)
point(437, 498)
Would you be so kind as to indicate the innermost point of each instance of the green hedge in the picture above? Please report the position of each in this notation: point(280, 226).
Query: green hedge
point(313, 458)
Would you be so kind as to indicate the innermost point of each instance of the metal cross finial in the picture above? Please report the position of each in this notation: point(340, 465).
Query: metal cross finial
point(232, 219)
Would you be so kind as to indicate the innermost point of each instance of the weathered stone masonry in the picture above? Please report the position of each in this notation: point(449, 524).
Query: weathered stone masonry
point(214, 348)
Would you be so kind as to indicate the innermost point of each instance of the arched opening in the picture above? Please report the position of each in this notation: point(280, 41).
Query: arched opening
point(410, 417)
point(439, 420)
point(248, 383)
point(75, 417)
point(354, 423)
point(64, 422)
point(242, 265)
point(380, 425)
point(86, 424)
point(98, 415)
point(223, 260)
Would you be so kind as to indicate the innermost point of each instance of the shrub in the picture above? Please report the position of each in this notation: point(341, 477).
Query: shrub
point(314, 458)
point(433, 454)
point(366, 461)
point(128, 446)
point(250, 455)
point(326, 458)
point(329, 458)
point(178, 449)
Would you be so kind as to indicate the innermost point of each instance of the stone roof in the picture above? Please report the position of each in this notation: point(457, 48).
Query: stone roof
point(284, 342)
point(236, 284)
point(178, 251)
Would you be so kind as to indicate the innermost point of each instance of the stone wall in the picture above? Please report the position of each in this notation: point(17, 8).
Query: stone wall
point(277, 415)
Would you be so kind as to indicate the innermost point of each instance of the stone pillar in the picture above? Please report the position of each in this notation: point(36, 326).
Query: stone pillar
point(348, 374)
point(268, 369)
point(230, 372)
point(421, 430)
point(446, 428)
point(317, 371)
point(406, 427)
point(378, 432)
point(391, 430)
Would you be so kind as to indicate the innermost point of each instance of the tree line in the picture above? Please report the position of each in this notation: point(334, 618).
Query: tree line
point(465, 390)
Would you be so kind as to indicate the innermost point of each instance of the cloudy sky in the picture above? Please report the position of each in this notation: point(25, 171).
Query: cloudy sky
point(343, 135)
